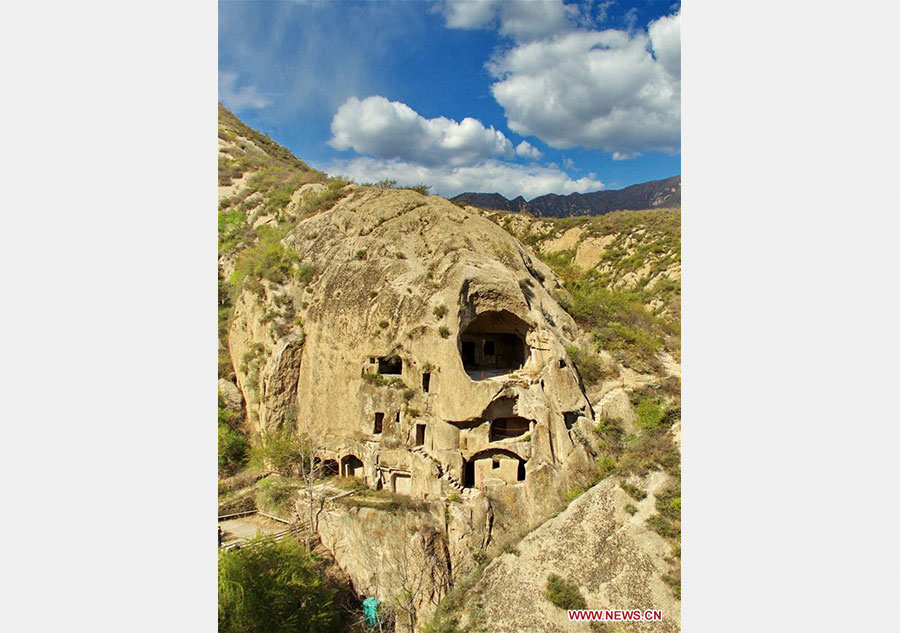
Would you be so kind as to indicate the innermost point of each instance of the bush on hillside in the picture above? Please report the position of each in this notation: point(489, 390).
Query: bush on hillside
point(588, 364)
point(280, 451)
point(275, 587)
point(233, 449)
point(268, 259)
point(563, 593)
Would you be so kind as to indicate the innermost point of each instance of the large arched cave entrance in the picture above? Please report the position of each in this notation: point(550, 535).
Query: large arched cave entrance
point(493, 344)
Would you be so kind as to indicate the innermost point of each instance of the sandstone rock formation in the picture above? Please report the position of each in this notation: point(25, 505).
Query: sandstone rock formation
point(616, 561)
point(431, 356)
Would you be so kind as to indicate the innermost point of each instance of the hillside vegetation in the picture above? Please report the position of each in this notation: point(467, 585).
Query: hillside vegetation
point(622, 278)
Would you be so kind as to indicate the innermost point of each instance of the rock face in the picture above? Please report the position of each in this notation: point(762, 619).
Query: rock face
point(427, 357)
point(616, 561)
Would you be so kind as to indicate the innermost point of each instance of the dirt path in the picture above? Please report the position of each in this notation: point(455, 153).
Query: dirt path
point(245, 528)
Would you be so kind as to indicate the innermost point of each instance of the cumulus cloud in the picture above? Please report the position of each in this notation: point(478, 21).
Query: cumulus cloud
point(509, 179)
point(615, 90)
point(239, 99)
point(527, 150)
point(611, 89)
point(665, 39)
point(522, 21)
point(393, 130)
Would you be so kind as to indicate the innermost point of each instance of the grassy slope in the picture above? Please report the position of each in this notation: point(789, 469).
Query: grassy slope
point(630, 301)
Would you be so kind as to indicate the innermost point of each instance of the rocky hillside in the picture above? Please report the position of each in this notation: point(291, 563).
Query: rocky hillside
point(472, 371)
point(648, 195)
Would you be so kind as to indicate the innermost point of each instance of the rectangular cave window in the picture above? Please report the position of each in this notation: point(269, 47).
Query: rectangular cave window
point(397, 418)
point(390, 365)
point(495, 464)
point(562, 363)
point(426, 381)
point(379, 422)
point(420, 434)
point(520, 473)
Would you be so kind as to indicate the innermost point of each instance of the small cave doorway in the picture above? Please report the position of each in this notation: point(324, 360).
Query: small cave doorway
point(329, 467)
point(493, 344)
point(352, 466)
point(495, 464)
point(468, 474)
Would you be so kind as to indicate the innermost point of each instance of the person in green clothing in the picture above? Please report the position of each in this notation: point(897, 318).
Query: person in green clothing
point(371, 607)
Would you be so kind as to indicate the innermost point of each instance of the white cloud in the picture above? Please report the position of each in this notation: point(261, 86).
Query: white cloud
point(665, 39)
point(522, 20)
point(527, 150)
point(611, 89)
point(509, 179)
point(240, 99)
point(393, 130)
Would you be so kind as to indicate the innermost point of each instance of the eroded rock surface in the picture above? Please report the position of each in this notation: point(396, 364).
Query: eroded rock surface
point(614, 558)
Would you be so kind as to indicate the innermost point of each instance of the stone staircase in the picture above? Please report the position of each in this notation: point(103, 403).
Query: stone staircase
point(452, 482)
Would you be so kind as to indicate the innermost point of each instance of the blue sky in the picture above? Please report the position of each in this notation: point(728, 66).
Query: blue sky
point(530, 97)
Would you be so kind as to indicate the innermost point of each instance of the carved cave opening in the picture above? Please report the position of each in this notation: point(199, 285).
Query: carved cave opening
point(493, 344)
point(390, 365)
point(504, 428)
point(352, 466)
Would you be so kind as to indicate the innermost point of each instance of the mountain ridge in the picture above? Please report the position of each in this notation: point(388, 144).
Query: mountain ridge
point(646, 195)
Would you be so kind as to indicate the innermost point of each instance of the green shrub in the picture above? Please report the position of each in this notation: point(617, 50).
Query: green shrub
point(610, 431)
point(444, 331)
point(232, 224)
point(588, 364)
point(383, 324)
point(571, 495)
point(633, 491)
point(650, 413)
point(281, 451)
point(439, 311)
point(606, 465)
point(305, 273)
point(563, 593)
point(631, 509)
point(269, 259)
point(233, 448)
point(275, 587)
point(401, 255)
point(325, 199)
point(668, 520)
point(360, 254)
point(504, 252)
point(276, 496)
point(421, 188)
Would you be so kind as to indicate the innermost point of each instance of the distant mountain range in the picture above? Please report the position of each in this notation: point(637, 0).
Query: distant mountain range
point(647, 195)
